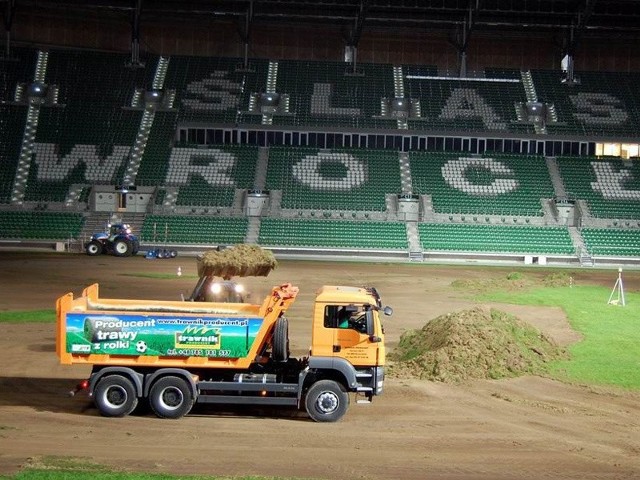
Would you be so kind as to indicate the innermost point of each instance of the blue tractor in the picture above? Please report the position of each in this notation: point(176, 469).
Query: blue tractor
point(118, 241)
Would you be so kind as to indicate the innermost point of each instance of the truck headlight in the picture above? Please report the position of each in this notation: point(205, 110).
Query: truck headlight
point(216, 288)
point(239, 288)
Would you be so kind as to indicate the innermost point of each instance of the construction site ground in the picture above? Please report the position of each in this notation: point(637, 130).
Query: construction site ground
point(522, 428)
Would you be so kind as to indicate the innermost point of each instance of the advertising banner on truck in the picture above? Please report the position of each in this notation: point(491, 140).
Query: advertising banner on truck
point(161, 335)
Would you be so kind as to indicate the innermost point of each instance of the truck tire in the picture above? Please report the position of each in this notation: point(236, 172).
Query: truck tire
point(281, 340)
point(115, 396)
point(94, 248)
point(171, 397)
point(122, 248)
point(326, 401)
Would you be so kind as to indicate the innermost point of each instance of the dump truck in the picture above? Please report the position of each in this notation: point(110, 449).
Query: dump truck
point(174, 354)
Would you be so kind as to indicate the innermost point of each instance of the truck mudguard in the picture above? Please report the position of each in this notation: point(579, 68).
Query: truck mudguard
point(339, 364)
point(136, 377)
point(171, 371)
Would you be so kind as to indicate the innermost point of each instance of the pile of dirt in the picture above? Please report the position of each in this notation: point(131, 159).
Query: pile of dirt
point(478, 343)
point(511, 282)
point(514, 281)
point(238, 261)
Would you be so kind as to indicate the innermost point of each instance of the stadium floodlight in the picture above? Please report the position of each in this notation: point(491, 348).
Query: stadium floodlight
point(269, 102)
point(37, 89)
point(269, 99)
point(401, 104)
point(153, 96)
point(536, 108)
point(536, 111)
point(400, 107)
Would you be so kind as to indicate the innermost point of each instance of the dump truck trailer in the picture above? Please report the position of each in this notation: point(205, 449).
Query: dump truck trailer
point(174, 354)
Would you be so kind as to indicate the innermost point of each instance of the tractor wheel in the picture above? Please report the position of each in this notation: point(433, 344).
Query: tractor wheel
point(94, 248)
point(122, 248)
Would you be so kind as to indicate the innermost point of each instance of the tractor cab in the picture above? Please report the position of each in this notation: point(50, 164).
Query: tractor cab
point(210, 289)
point(118, 229)
point(217, 269)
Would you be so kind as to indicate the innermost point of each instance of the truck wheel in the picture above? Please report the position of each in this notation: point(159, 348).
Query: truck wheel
point(94, 248)
point(171, 397)
point(281, 340)
point(326, 401)
point(122, 248)
point(115, 396)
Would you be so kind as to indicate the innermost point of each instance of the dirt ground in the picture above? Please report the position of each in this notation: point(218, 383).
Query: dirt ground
point(525, 428)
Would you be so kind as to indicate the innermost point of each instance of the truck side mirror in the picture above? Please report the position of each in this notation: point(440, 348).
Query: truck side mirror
point(388, 311)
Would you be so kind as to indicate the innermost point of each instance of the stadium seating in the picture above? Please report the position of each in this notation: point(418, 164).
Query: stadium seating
point(15, 73)
point(193, 229)
point(12, 122)
point(333, 234)
point(86, 140)
point(214, 89)
point(611, 189)
point(154, 164)
point(93, 89)
point(344, 180)
point(602, 104)
point(526, 240)
point(495, 185)
point(510, 73)
point(39, 225)
point(328, 94)
point(612, 242)
point(18, 69)
point(210, 176)
point(464, 105)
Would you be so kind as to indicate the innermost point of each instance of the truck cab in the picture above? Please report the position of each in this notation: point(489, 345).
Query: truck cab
point(348, 332)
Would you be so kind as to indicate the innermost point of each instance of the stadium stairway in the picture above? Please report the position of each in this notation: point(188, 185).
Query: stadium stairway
point(581, 248)
point(28, 139)
point(260, 178)
point(405, 172)
point(428, 215)
point(253, 230)
point(413, 239)
point(146, 122)
point(556, 179)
